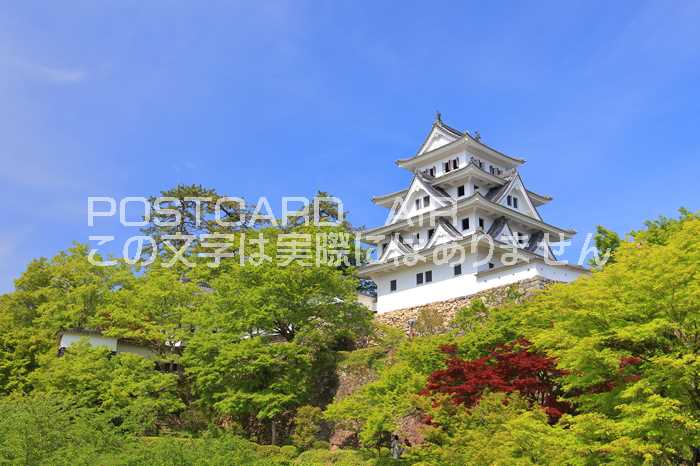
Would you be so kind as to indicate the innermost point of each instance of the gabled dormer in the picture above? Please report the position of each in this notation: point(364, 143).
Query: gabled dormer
point(539, 246)
point(514, 196)
point(439, 135)
point(420, 198)
point(445, 232)
point(445, 144)
point(393, 249)
point(500, 230)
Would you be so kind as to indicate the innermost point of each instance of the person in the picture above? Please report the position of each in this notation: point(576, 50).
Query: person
point(396, 448)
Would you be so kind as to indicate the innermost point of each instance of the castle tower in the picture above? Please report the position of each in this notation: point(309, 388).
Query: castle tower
point(465, 224)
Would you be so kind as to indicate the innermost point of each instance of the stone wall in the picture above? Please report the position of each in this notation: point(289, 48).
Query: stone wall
point(351, 378)
point(519, 291)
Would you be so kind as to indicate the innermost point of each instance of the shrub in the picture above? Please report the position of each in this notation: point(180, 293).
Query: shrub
point(307, 425)
point(429, 322)
point(42, 430)
point(509, 368)
point(326, 457)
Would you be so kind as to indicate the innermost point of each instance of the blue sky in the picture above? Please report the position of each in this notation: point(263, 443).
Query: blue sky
point(286, 98)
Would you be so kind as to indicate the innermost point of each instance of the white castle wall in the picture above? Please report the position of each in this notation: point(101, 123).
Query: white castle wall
point(446, 286)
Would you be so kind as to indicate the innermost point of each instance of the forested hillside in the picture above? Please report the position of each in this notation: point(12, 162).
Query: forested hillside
point(601, 371)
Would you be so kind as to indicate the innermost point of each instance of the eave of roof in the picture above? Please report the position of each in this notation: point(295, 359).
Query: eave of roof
point(537, 199)
point(478, 142)
point(455, 174)
point(482, 238)
point(477, 198)
point(466, 138)
point(541, 198)
point(386, 197)
point(537, 258)
point(432, 188)
point(420, 253)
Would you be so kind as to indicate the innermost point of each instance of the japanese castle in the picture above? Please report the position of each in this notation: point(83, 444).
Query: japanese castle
point(465, 224)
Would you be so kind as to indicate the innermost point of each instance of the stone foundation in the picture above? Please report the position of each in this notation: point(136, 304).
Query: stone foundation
point(447, 309)
point(352, 378)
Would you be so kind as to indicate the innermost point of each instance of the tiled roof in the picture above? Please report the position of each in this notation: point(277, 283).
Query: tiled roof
point(434, 190)
point(497, 226)
point(448, 226)
point(495, 193)
point(534, 241)
point(459, 135)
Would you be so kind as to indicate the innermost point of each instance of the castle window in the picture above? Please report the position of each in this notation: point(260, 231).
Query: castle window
point(458, 269)
point(491, 265)
point(510, 201)
point(428, 276)
point(431, 232)
point(419, 278)
point(446, 166)
point(515, 202)
point(431, 171)
point(476, 188)
point(460, 190)
point(455, 164)
point(481, 223)
point(465, 224)
point(418, 204)
point(392, 285)
point(426, 201)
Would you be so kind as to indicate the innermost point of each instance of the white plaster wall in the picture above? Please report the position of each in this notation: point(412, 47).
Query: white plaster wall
point(111, 343)
point(558, 273)
point(446, 286)
point(462, 156)
point(135, 349)
point(68, 339)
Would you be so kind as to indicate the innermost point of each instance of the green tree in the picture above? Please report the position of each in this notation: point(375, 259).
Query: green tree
point(501, 430)
point(54, 294)
point(629, 338)
point(307, 426)
point(191, 210)
point(125, 387)
point(376, 409)
point(266, 344)
point(659, 230)
point(44, 430)
point(606, 242)
point(155, 309)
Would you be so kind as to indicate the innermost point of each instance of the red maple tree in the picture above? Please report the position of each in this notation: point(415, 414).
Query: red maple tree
point(513, 367)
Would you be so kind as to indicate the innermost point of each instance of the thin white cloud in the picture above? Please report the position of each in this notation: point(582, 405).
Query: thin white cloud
point(57, 75)
point(28, 69)
point(38, 71)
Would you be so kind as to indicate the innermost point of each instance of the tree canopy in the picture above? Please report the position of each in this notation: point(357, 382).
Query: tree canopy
point(603, 370)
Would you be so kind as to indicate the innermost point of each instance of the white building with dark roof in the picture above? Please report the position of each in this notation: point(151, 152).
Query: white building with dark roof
point(466, 223)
